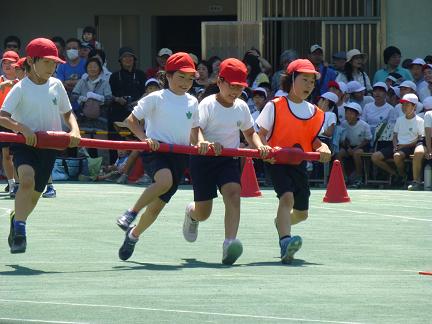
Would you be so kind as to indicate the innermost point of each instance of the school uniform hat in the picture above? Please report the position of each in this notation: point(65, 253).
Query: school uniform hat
point(180, 61)
point(396, 90)
point(338, 85)
point(392, 78)
point(418, 61)
point(126, 51)
point(245, 95)
point(315, 47)
point(20, 63)
point(355, 86)
point(380, 85)
point(339, 56)
point(233, 71)
point(411, 98)
point(10, 56)
point(165, 51)
point(354, 106)
point(303, 66)
point(330, 96)
point(43, 48)
point(355, 52)
point(87, 45)
point(427, 66)
point(260, 91)
point(427, 103)
point(152, 81)
point(408, 84)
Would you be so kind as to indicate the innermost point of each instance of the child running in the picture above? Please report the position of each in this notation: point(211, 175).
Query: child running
point(169, 115)
point(221, 117)
point(305, 121)
point(35, 104)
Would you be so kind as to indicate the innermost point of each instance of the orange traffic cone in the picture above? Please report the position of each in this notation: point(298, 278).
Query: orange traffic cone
point(249, 183)
point(336, 189)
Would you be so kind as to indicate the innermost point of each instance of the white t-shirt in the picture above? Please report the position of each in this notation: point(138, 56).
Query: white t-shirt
point(168, 117)
point(356, 134)
point(360, 77)
point(221, 124)
point(303, 110)
point(38, 106)
point(373, 115)
point(341, 112)
point(365, 101)
point(329, 119)
point(423, 90)
point(428, 119)
point(409, 130)
point(398, 109)
point(255, 115)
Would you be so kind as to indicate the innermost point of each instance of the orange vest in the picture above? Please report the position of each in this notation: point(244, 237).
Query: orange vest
point(4, 91)
point(291, 131)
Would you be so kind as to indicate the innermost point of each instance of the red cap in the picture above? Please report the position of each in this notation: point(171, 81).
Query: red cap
point(44, 48)
point(180, 61)
point(233, 71)
point(302, 66)
point(20, 63)
point(333, 84)
point(10, 56)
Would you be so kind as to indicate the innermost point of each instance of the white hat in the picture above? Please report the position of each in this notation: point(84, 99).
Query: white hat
point(330, 96)
point(280, 93)
point(315, 47)
point(418, 61)
point(152, 80)
point(396, 90)
point(355, 86)
point(354, 106)
point(165, 51)
point(260, 90)
point(411, 98)
point(343, 86)
point(355, 52)
point(390, 77)
point(408, 84)
point(380, 85)
point(427, 103)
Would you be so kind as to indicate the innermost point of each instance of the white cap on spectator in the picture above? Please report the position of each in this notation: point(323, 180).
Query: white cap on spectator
point(355, 86)
point(165, 51)
point(315, 47)
point(330, 96)
point(280, 93)
point(343, 87)
point(396, 90)
point(152, 80)
point(353, 105)
point(418, 61)
point(411, 98)
point(355, 52)
point(380, 85)
point(427, 66)
point(427, 103)
point(390, 77)
point(408, 84)
point(260, 90)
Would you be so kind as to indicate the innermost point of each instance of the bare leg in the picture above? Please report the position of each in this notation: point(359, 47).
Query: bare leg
point(378, 160)
point(231, 196)
point(26, 197)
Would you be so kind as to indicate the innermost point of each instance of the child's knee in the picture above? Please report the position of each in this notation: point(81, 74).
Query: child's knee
point(27, 182)
point(301, 215)
point(377, 157)
point(231, 192)
point(287, 200)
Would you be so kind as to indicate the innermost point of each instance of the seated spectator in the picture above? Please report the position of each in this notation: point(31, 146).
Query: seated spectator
point(316, 56)
point(60, 44)
point(357, 93)
point(204, 70)
point(115, 172)
point(100, 55)
point(354, 69)
point(355, 140)
point(405, 88)
point(428, 127)
point(407, 140)
point(339, 59)
point(393, 96)
point(152, 85)
point(255, 75)
point(89, 36)
point(264, 64)
point(416, 69)
point(425, 88)
point(285, 59)
point(392, 59)
point(393, 79)
point(161, 59)
point(427, 106)
point(379, 110)
point(214, 62)
point(85, 50)
point(328, 104)
point(12, 43)
point(259, 97)
point(340, 89)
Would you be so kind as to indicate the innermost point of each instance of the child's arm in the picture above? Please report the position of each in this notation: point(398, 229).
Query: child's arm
point(135, 126)
point(395, 142)
point(323, 149)
point(74, 133)
point(7, 122)
point(255, 141)
point(197, 138)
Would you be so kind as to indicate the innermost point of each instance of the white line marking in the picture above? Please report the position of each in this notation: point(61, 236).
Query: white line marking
point(372, 213)
point(38, 321)
point(182, 311)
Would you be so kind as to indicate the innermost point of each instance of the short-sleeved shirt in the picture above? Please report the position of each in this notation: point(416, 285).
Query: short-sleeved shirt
point(382, 74)
point(423, 90)
point(428, 119)
point(168, 117)
point(373, 115)
point(398, 109)
point(356, 134)
point(38, 106)
point(67, 72)
point(408, 130)
point(221, 124)
point(329, 119)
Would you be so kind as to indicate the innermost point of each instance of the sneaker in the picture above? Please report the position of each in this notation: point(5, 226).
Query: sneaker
point(125, 220)
point(12, 228)
point(415, 186)
point(289, 246)
point(128, 247)
point(6, 189)
point(231, 251)
point(190, 226)
point(19, 244)
point(50, 192)
point(12, 194)
point(123, 179)
point(144, 180)
point(358, 183)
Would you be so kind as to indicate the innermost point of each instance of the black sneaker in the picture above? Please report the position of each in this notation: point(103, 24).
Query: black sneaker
point(125, 220)
point(127, 249)
point(19, 244)
point(6, 189)
point(12, 228)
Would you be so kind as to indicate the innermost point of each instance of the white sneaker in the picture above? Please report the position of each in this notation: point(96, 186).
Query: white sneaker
point(123, 179)
point(190, 227)
point(232, 250)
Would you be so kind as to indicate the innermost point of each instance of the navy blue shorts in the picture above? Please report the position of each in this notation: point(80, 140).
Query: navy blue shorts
point(210, 173)
point(5, 144)
point(41, 160)
point(176, 163)
point(291, 178)
point(388, 151)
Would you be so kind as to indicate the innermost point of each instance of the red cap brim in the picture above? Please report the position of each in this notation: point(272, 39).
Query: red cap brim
point(406, 101)
point(55, 58)
point(318, 75)
point(8, 59)
point(187, 70)
point(243, 84)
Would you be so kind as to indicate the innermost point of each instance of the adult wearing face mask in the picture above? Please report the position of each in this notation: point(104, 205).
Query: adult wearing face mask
point(71, 71)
